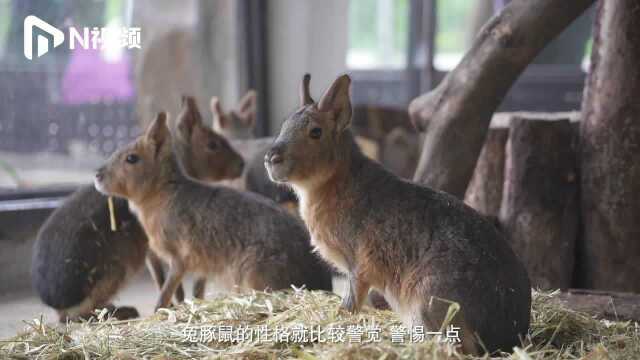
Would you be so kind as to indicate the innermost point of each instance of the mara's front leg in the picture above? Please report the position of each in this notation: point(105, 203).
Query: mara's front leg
point(176, 273)
point(432, 315)
point(357, 292)
point(154, 265)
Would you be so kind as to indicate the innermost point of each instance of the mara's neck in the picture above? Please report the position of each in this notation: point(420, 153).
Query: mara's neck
point(340, 180)
point(161, 187)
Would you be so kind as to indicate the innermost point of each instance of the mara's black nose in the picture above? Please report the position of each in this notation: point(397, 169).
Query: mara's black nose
point(274, 156)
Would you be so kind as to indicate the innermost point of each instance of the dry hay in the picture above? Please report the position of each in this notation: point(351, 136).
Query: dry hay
point(556, 333)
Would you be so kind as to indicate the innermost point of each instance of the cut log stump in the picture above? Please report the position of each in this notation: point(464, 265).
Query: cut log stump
point(615, 306)
point(457, 113)
point(485, 189)
point(539, 210)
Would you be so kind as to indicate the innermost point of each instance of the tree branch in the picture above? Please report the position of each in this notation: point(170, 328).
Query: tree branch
point(458, 112)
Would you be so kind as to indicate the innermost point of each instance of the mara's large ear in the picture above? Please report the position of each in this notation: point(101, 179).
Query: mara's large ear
point(305, 93)
point(336, 99)
point(219, 120)
point(189, 116)
point(246, 109)
point(157, 134)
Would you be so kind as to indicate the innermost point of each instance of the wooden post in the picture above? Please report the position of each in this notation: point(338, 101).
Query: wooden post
point(614, 306)
point(485, 189)
point(539, 211)
point(458, 112)
point(400, 151)
point(610, 145)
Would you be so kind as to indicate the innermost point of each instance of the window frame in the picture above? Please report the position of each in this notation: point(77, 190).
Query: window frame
point(395, 88)
point(251, 26)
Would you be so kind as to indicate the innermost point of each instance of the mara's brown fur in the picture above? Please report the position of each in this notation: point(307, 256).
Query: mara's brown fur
point(242, 240)
point(238, 126)
point(237, 123)
point(79, 263)
point(203, 153)
point(418, 247)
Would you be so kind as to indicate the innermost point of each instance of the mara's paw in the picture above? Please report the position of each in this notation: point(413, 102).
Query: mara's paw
point(125, 313)
point(377, 301)
point(349, 304)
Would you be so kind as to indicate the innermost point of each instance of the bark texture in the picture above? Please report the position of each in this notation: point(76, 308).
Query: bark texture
point(485, 189)
point(539, 211)
point(615, 306)
point(610, 159)
point(458, 112)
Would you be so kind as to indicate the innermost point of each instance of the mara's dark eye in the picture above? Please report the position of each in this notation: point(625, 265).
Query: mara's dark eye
point(132, 158)
point(213, 145)
point(315, 133)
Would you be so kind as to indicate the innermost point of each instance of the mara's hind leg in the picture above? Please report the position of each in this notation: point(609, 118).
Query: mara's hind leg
point(87, 309)
point(265, 276)
point(377, 300)
point(432, 315)
point(107, 288)
point(261, 281)
point(84, 310)
point(199, 287)
point(125, 312)
point(357, 292)
point(99, 297)
point(116, 312)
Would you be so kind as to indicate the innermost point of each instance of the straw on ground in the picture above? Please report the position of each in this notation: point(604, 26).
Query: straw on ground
point(274, 325)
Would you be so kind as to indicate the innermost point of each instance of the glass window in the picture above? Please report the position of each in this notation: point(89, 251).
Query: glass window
point(378, 34)
point(457, 23)
point(5, 23)
point(98, 71)
point(64, 110)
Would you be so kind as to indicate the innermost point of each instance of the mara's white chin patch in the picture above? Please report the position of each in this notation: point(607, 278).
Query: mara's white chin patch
point(301, 194)
point(278, 181)
point(274, 178)
point(99, 187)
point(133, 208)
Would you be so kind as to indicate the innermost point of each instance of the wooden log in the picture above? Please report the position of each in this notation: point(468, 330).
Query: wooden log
point(457, 113)
point(400, 151)
point(539, 210)
point(615, 306)
point(484, 192)
point(485, 189)
point(610, 158)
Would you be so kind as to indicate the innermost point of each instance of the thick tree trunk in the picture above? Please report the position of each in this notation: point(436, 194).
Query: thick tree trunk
point(457, 113)
point(610, 142)
point(539, 211)
point(485, 189)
